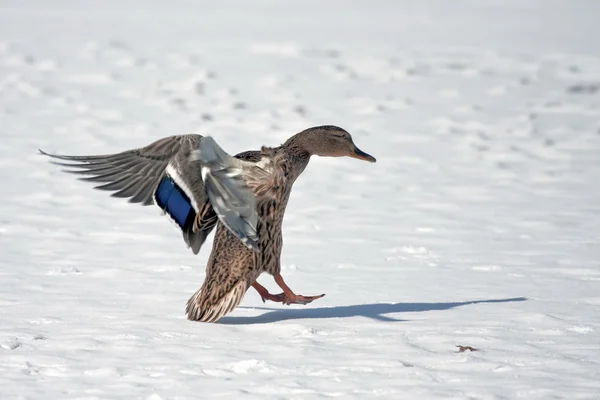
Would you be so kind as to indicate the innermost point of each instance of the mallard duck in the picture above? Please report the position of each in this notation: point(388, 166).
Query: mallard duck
point(199, 186)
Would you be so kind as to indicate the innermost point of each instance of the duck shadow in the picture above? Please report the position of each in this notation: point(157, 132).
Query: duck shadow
point(376, 311)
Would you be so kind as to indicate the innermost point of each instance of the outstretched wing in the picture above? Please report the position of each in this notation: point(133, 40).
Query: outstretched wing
point(159, 173)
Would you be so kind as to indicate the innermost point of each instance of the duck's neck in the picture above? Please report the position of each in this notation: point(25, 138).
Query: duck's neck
point(298, 151)
point(299, 143)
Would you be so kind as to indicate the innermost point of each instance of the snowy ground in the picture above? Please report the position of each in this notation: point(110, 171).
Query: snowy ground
point(478, 226)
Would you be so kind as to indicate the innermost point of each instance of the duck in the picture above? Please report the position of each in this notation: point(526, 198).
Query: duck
point(202, 188)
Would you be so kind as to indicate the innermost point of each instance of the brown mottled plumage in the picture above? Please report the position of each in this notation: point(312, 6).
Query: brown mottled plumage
point(243, 196)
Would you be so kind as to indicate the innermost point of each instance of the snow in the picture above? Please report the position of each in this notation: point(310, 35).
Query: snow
point(478, 225)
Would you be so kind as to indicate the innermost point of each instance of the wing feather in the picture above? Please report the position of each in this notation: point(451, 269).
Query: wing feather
point(135, 174)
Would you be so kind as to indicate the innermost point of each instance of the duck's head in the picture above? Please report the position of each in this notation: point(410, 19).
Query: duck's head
point(328, 141)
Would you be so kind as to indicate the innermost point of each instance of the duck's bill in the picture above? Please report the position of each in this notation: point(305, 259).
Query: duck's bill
point(361, 155)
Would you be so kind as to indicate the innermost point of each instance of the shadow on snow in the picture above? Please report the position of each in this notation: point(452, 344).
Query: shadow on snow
point(375, 311)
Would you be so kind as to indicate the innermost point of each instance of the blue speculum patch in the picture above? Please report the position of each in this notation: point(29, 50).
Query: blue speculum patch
point(174, 202)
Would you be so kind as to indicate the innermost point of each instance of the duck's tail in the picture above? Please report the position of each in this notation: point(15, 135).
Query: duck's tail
point(204, 308)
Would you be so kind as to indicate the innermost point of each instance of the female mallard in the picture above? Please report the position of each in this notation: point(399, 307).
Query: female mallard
point(199, 186)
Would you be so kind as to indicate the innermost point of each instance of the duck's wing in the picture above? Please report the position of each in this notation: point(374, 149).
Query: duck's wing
point(233, 202)
point(241, 189)
point(160, 173)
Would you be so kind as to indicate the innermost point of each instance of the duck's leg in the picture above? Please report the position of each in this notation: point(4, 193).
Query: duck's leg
point(265, 295)
point(289, 297)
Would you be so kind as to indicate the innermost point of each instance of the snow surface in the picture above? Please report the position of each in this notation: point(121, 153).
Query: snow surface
point(478, 226)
